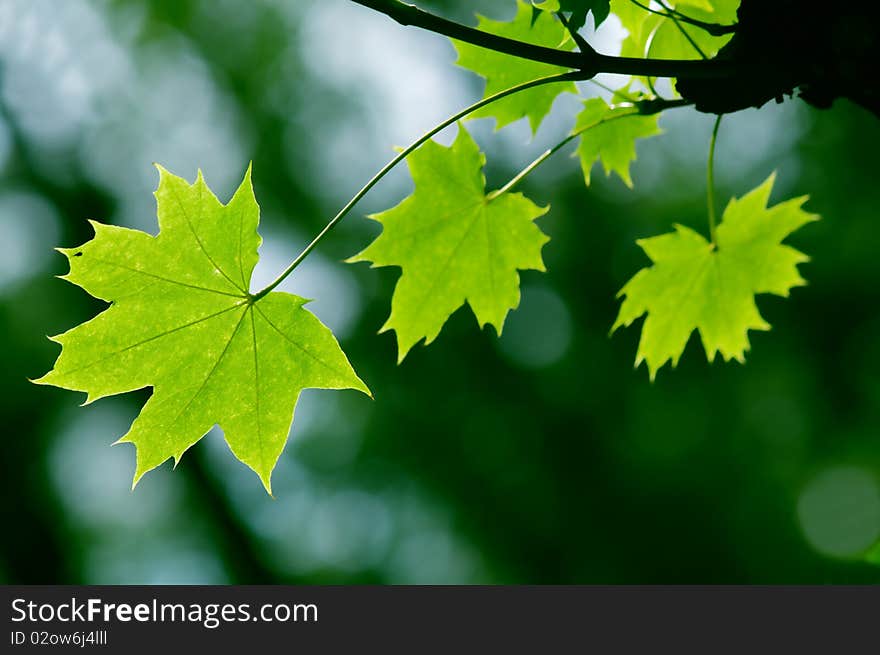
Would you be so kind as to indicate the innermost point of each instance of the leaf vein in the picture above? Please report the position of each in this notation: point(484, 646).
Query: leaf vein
point(152, 338)
point(198, 239)
point(300, 346)
point(164, 279)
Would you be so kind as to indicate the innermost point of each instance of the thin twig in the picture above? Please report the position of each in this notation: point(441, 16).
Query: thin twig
point(654, 108)
point(619, 94)
point(710, 183)
point(715, 29)
point(581, 42)
point(690, 39)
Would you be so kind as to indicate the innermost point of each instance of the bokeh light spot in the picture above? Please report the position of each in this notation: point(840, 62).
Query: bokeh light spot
point(28, 230)
point(539, 332)
point(839, 511)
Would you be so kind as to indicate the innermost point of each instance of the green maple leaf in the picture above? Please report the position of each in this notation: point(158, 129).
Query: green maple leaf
point(668, 41)
point(639, 25)
point(609, 135)
point(455, 244)
point(653, 35)
point(722, 12)
point(693, 285)
point(181, 321)
point(578, 10)
point(503, 71)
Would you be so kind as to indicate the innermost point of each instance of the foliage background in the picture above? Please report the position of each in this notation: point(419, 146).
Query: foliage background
point(541, 457)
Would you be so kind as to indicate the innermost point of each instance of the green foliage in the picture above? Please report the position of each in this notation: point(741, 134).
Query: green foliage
point(659, 37)
point(455, 244)
point(694, 284)
point(578, 10)
point(609, 134)
point(639, 25)
point(502, 71)
point(181, 321)
point(676, 39)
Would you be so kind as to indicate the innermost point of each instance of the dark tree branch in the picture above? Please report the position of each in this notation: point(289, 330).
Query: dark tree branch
point(590, 62)
point(777, 49)
point(580, 41)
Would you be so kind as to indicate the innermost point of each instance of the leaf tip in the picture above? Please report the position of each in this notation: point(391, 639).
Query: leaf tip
point(361, 386)
point(266, 479)
point(386, 326)
point(402, 348)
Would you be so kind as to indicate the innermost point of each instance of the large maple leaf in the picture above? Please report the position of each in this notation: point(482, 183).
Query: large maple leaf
point(183, 322)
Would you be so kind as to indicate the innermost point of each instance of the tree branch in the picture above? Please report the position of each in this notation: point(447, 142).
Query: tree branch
point(580, 41)
point(590, 62)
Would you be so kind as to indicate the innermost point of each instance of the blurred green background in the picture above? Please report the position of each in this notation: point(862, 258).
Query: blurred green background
point(540, 457)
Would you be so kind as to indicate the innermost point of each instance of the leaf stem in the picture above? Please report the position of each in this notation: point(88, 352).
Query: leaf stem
point(403, 154)
point(613, 93)
point(710, 182)
point(639, 111)
point(516, 179)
